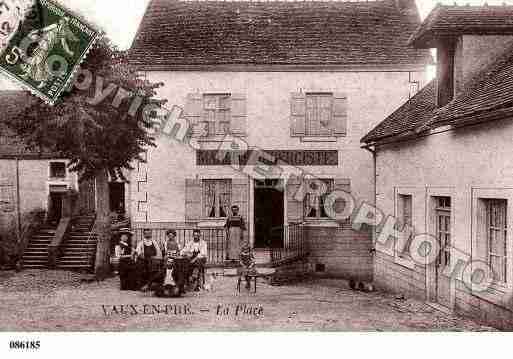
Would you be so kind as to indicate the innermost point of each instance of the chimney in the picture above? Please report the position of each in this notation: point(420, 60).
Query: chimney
point(445, 73)
point(407, 6)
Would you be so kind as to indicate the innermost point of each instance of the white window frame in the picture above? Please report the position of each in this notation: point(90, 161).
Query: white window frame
point(57, 179)
point(489, 228)
point(321, 201)
point(404, 259)
point(308, 123)
point(216, 110)
point(479, 194)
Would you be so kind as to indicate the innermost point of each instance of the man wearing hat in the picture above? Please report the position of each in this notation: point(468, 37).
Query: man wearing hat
point(172, 247)
point(123, 253)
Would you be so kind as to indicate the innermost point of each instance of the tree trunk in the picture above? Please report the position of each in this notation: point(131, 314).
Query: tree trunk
point(102, 264)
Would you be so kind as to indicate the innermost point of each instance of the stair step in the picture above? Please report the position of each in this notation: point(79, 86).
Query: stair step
point(42, 236)
point(34, 266)
point(84, 242)
point(38, 246)
point(75, 256)
point(34, 252)
point(75, 266)
point(40, 240)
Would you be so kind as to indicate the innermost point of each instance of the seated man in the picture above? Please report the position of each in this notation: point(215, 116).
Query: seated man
point(172, 251)
point(147, 252)
point(196, 251)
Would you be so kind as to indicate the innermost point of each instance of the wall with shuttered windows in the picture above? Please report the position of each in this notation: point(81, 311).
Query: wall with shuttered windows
point(270, 111)
point(261, 111)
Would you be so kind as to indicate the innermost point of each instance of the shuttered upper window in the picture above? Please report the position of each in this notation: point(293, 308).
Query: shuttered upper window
point(318, 114)
point(216, 109)
point(216, 114)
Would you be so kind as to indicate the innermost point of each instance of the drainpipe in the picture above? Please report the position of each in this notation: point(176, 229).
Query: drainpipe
point(18, 204)
point(375, 194)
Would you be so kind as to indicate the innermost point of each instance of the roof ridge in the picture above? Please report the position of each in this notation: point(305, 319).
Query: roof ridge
point(415, 101)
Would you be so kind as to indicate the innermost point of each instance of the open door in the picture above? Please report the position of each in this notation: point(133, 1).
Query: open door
point(269, 214)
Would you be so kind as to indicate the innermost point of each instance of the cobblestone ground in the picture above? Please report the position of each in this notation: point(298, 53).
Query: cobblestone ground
point(60, 301)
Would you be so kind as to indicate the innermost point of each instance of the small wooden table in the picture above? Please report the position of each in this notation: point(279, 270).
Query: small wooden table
point(252, 277)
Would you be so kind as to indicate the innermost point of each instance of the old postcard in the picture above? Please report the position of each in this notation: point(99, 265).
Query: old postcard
point(178, 166)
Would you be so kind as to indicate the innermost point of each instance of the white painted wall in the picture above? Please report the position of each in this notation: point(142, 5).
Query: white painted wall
point(451, 163)
point(372, 96)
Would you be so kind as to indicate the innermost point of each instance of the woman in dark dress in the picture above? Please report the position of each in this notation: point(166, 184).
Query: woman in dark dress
point(123, 252)
point(235, 228)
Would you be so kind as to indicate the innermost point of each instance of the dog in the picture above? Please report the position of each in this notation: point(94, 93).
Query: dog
point(209, 285)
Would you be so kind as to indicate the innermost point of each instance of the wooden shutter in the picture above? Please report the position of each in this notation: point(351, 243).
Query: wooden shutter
point(298, 114)
point(193, 193)
point(238, 122)
point(193, 111)
point(343, 184)
point(480, 250)
point(339, 118)
point(294, 207)
point(240, 196)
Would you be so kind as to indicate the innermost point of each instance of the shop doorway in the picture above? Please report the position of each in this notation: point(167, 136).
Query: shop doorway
point(269, 214)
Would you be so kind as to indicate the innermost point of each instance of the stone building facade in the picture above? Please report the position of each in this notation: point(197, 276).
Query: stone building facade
point(303, 83)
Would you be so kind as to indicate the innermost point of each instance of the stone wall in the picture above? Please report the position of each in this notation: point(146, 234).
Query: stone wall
point(340, 252)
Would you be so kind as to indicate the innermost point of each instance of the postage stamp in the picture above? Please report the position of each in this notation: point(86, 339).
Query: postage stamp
point(43, 45)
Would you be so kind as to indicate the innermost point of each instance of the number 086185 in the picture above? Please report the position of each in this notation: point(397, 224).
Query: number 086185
point(25, 344)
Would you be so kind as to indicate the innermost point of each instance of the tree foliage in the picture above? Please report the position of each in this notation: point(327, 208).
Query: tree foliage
point(94, 137)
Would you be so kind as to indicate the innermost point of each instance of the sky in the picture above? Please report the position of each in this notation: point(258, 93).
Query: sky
point(120, 18)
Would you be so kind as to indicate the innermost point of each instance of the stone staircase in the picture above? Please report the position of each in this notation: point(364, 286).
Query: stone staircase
point(36, 253)
point(79, 248)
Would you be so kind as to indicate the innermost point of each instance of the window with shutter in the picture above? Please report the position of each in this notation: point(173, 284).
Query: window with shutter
point(217, 197)
point(318, 114)
point(319, 108)
point(217, 116)
point(314, 203)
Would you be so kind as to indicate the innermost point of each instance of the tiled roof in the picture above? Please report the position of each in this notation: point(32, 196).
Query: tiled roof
point(408, 117)
point(450, 21)
point(12, 103)
point(487, 96)
point(184, 33)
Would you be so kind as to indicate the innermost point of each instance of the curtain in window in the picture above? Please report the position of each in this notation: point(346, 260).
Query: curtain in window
point(209, 195)
point(497, 238)
point(224, 197)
